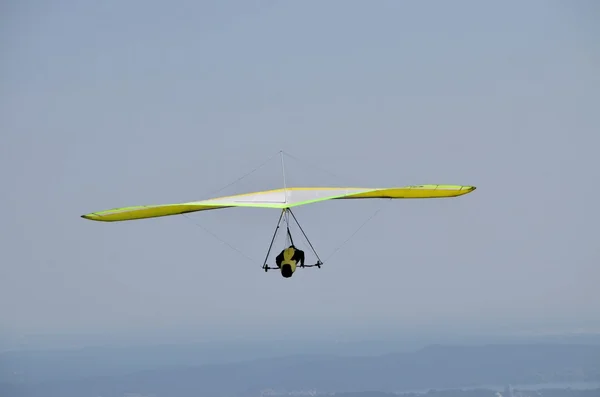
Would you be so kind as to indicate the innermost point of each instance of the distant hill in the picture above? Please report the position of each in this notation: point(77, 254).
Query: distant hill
point(111, 360)
point(480, 393)
point(440, 367)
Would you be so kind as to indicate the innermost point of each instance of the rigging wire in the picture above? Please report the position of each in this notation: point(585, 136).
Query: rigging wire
point(219, 238)
point(357, 230)
point(314, 166)
point(246, 175)
point(223, 188)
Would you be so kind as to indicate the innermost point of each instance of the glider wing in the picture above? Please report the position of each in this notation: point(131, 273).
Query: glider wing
point(280, 198)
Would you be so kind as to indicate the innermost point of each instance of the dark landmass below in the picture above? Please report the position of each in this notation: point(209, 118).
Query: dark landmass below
point(480, 393)
point(435, 367)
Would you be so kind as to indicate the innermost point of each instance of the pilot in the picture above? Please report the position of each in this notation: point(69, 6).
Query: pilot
point(287, 260)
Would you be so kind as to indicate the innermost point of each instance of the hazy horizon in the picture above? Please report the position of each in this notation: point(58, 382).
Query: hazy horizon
point(113, 104)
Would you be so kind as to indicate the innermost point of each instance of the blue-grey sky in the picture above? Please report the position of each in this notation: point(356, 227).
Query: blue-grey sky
point(114, 103)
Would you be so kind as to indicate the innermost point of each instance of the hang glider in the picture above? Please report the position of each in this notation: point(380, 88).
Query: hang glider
point(279, 199)
point(283, 199)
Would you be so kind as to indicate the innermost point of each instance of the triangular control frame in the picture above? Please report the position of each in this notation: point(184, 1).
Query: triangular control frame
point(284, 216)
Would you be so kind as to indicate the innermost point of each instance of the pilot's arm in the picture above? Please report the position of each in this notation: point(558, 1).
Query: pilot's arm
point(300, 255)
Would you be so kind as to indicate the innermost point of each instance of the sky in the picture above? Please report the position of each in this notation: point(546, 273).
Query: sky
point(109, 104)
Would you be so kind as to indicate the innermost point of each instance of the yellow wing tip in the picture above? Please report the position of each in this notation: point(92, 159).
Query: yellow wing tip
point(92, 217)
point(466, 190)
